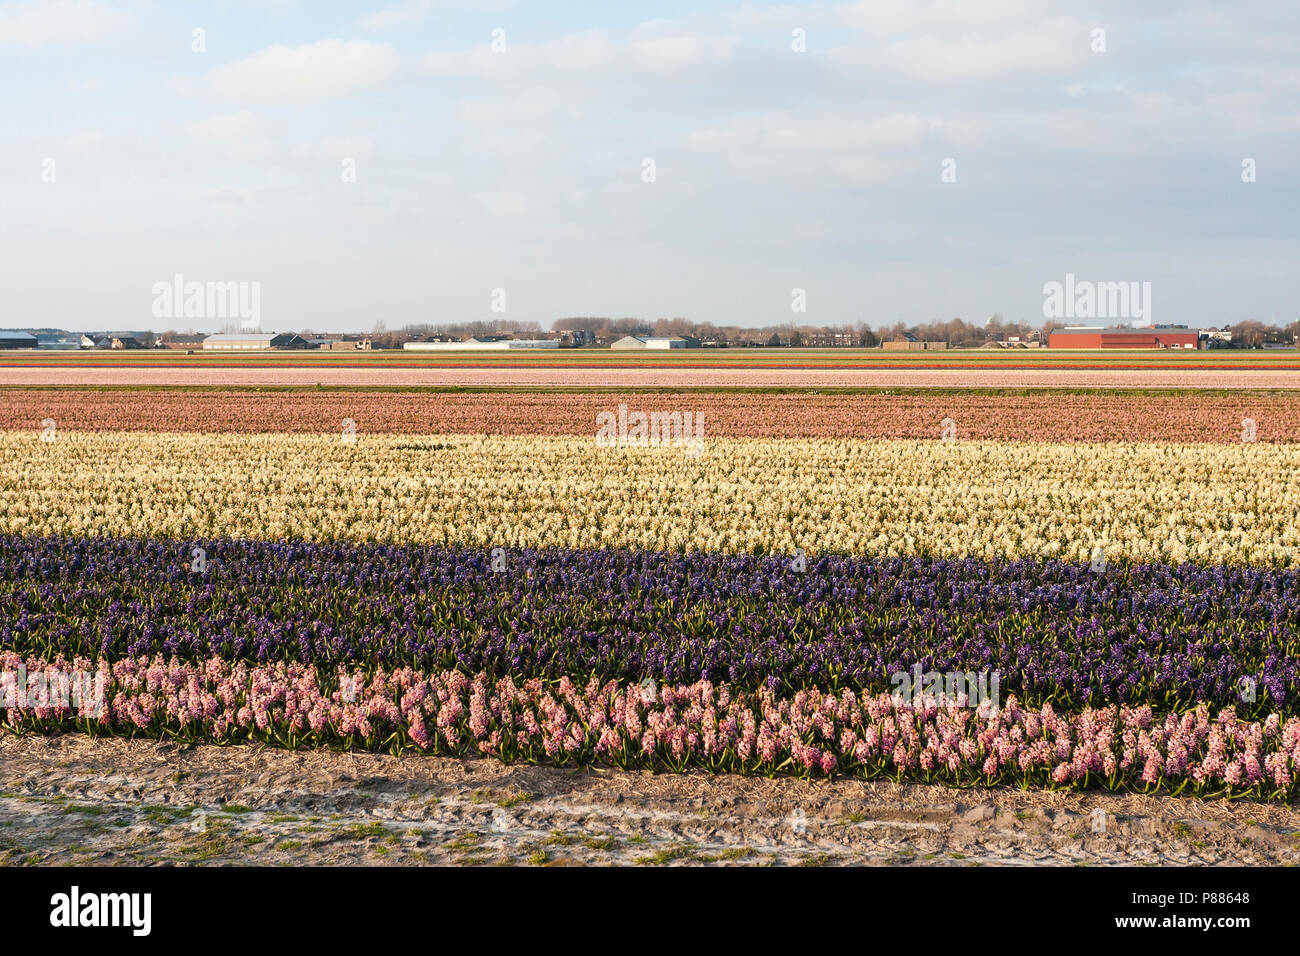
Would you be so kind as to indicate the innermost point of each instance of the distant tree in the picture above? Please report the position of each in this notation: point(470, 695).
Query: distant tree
point(1248, 334)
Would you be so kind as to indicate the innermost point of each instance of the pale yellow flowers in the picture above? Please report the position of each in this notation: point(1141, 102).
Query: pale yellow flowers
point(1136, 502)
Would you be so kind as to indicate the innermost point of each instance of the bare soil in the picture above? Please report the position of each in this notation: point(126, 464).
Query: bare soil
point(72, 799)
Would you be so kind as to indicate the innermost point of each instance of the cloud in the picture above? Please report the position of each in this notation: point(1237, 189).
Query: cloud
point(675, 52)
point(38, 23)
point(791, 132)
point(89, 139)
point(321, 70)
point(242, 135)
point(401, 15)
point(647, 51)
point(413, 12)
point(1052, 47)
point(228, 129)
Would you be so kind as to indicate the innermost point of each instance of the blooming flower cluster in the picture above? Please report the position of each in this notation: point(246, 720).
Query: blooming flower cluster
point(679, 725)
point(1146, 503)
point(1049, 415)
point(1170, 637)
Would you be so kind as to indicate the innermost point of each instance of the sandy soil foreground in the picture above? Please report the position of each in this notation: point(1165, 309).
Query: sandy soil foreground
point(75, 800)
point(671, 377)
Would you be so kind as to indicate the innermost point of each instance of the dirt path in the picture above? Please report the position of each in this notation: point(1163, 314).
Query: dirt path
point(75, 800)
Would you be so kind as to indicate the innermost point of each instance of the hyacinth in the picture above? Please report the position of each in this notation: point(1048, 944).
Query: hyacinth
point(1140, 502)
point(1054, 630)
point(810, 732)
point(1098, 416)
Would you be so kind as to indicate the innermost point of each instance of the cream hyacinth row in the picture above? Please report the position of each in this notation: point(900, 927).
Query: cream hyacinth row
point(1138, 502)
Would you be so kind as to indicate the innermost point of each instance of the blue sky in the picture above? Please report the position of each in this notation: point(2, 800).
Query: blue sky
point(522, 169)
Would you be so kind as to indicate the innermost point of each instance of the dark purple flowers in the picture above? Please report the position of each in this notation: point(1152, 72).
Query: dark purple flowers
point(1056, 632)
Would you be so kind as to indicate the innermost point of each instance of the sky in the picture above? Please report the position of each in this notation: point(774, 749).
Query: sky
point(446, 160)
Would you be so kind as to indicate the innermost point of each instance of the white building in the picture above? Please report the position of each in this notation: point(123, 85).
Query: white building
point(478, 345)
point(242, 341)
point(653, 342)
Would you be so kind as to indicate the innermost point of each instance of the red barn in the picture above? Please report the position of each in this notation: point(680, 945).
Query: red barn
point(1125, 337)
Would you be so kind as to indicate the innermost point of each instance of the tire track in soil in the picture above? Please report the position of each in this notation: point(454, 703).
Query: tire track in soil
point(71, 799)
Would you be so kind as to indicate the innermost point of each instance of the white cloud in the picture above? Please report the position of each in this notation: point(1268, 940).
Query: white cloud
point(585, 53)
point(242, 136)
point(228, 129)
point(88, 139)
point(821, 133)
point(935, 16)
point(327, 68)
point(675, 52)
point(37, 23)
point(401, 15)
point(413, 12)
point(1052, 47)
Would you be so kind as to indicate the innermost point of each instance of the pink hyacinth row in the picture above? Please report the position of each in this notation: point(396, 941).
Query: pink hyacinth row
point(675, 726)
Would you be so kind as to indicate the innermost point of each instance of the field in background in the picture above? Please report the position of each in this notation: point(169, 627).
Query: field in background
point(470, 574)
point(680, 358)
point(1185, 415)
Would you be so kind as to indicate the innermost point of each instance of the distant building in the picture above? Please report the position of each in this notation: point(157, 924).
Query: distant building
point(238, 341)
point(1125, 337)
point(58, 342)
point(482, 343)
point(656, 342)
point(290, 340)
point(183, 341)
point(111, 340)
point(908, 342)
point(17, 340)
point(576, 338)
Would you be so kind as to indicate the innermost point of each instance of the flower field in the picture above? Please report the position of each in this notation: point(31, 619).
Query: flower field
point(114, 373)
point(1058, 633)
point(677, 726)
point(1187, 416)
point(476, 576)
point(1143, 503)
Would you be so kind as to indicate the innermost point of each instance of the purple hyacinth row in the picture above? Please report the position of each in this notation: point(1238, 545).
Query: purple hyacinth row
point(1055, 632)
point(674, 726)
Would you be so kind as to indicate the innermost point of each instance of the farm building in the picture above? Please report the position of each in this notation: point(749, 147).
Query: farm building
point(252, 341)
point(487, 343)
point(17, 340)
point(241, 341)
point(112, 340)
point(1125, 337)
point(655, 342)
point(907, 342)
point(58, 343)
point(184, 341)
